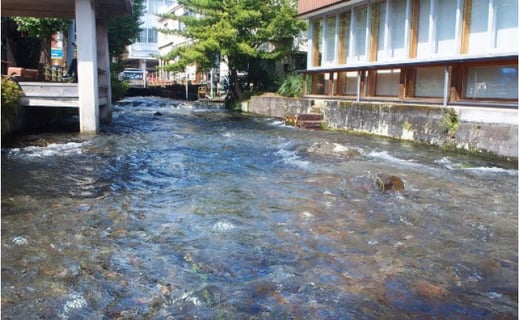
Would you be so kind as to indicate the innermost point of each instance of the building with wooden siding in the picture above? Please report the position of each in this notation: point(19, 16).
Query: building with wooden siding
point(449, 52)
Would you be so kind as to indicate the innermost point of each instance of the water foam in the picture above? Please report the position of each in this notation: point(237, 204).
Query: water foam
point(52, 149)
point(449, 164)
point(223, 226)
point(292, 158)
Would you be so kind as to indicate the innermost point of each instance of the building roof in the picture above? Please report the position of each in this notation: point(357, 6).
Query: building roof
point(61, 8)
point(309, 6)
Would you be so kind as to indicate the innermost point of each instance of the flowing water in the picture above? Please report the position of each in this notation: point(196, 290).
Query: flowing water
point(201, 213)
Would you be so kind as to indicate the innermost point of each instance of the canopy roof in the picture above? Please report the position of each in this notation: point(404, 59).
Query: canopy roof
point(61, 8)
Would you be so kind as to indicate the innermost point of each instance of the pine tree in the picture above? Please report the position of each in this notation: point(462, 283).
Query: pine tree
point(236, 30)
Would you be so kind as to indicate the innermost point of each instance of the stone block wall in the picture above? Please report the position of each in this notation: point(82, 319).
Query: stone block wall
point(435, 125)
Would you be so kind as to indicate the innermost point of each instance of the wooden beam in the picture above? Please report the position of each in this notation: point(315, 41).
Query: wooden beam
point(316, 38)
point(344, 23)
point(314, 83)
point(414, 29)
point(304, 89)
point(374, 34)
point(340, 83)
point(330, 84)
point(402, 83)
point(466, 26)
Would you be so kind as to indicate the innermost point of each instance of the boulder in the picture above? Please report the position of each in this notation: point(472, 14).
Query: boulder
point(387, 183)
point(333, 149)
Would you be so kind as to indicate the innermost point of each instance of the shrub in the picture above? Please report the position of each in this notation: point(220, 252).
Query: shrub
point(450, 122)
point(119, 89)
point(11, 94)
point(292, 86)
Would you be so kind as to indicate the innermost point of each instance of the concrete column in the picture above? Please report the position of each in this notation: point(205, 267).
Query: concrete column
point(103, 56)
point(87, 66)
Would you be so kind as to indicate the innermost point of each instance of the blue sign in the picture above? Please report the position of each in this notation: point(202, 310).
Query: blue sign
point(56, 53)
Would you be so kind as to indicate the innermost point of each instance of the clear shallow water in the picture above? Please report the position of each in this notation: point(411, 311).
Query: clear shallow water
point(202, 213)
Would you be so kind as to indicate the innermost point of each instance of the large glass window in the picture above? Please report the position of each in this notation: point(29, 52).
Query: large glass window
point(143, 35)
point(423, 44)
point(349, 83)
point(445, 27)
point(330, 40)
point(478, 33)
point(383, 31)
point(360, 28)
point(387, 82)
point(397, 29)
point(344, 37)
point(498, 82)
point(392, 33)
point(437, 34)
point(317, 29)
point(152, 36)
point(429, 82)
point(506, 37)
point(493, 26)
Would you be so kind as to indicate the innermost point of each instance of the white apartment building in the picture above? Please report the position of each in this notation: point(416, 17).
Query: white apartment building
point(144, 52)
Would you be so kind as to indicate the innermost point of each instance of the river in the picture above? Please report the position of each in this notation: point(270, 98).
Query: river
point(183, 211)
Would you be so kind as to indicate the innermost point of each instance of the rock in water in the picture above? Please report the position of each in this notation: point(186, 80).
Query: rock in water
point(333, 149)
point(386, 183)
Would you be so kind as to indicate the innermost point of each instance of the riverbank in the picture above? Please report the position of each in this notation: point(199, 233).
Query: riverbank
point(482, 130)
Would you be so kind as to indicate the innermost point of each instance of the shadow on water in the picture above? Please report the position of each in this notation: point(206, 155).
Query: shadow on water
point(183, 211)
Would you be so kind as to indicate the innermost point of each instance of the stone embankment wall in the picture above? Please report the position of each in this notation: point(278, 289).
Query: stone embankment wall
point(487, 130)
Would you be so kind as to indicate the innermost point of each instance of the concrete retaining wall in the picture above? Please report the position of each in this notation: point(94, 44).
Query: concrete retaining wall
point(487, 130)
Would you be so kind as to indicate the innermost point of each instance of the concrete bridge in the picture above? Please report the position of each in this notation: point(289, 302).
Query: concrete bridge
point(93, 93)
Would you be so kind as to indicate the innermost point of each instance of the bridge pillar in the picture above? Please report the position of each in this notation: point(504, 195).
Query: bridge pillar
point(87, 66)
point(105, 88)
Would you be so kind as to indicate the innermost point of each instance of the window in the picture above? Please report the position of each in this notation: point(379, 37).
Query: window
point(318, 83)
point(506, 28)
point(143, 35)
point(359, 29)
point(147, 36)
point(398, 17)
point(496, 82)
point(387, 82)
point(438, 27)
point(493, 26)
point(478, 33)
point(330, 40)
point(152, 36)
point(317, 30)
point(383, 31)
point(344, 37)
point(349, 82)
point(429, 82)
point(154, 6)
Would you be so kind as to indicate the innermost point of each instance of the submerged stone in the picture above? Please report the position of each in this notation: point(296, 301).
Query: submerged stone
point(386, 183)
point(333, 149)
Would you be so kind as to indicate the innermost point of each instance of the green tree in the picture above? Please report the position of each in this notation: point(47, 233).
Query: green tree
point(42, 29)
point(239, 31)
point(123, 31)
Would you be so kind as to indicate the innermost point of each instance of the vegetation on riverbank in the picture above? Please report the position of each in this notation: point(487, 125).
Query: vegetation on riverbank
point(11, 94)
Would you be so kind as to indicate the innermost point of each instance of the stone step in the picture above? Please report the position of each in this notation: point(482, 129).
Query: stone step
point(309, 117)
point(304, 120)
point(308, 124)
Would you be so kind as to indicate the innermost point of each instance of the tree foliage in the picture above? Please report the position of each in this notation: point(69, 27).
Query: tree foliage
point(236, 30)
point(123, 31)
point(42, 29)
